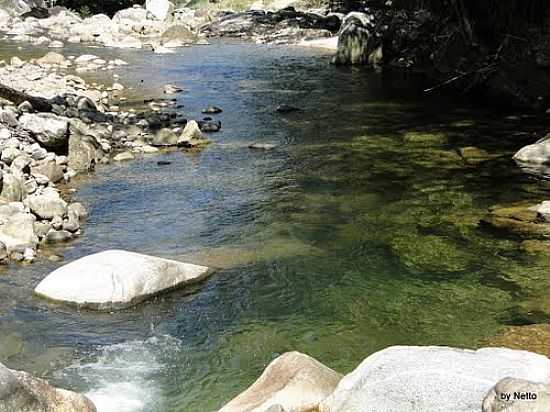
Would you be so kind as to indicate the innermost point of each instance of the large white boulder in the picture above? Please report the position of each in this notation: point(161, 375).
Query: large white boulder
point(22, 392)
point(161, 9)
point(430, 378)
point(536, 153)
point(295, 382)
point(116, 279)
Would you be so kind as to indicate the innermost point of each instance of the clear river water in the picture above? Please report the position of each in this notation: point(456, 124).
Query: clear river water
point(358, 231)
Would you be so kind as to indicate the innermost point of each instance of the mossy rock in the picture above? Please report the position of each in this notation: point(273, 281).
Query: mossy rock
point(534, 338)
point(425, 138)
point(536, 247)
point(474, 155)
point(520, 220)
point(432, 253)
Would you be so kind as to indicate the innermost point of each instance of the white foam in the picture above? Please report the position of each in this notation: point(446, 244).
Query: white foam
point(125, 377)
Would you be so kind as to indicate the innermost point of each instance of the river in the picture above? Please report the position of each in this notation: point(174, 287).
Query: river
point(358, 231)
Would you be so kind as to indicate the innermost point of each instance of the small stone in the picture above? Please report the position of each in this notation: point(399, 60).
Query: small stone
point(55, 236)
point(123, 157)
point(172, 89)
point(262, 146)
point(285, 108)
point(212, 110)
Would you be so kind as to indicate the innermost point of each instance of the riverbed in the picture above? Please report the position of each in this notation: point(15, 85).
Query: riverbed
point(358, 231)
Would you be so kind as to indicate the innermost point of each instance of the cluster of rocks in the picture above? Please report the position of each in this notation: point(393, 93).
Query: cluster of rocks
point(404, 378)
point(157, 25)
point(280, 27)
point(84, 126)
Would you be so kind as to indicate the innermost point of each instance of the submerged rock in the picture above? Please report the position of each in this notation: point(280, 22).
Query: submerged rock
point(116, 279)
point(517, 395)
point(534, 338)
point(435, 379)
point(212, 110)
point(262, 146)
point(521, 219)
point(22, 392)
point(292, 382)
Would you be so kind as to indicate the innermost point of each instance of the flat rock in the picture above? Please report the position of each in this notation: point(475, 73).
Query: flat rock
point(430, 378)
point(116, 279)
point(293, 382)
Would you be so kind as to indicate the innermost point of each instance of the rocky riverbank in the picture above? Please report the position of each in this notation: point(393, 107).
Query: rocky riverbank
point(83, 127)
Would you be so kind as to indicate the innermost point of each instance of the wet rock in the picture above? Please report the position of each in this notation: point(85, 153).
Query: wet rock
point(124, 156)
point(172, 89)
point(49, 130)
point(405, 378)
point(42, 228)
point(517, 395)
point(353, 41)
point(212, 110)
point(58, 236)
point(47, 204)
point(19, 391)
point(210, 126)
point(262, 146)
point(165, 137)
point(163, 163)
point(521, 219)
point(72, 224)
point(285, 108)
point(424, 138)
point(116, 279)
point(292, 382)
point(192, 136)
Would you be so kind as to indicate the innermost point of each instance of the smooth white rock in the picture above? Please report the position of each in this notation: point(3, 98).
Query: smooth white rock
point(115, 279)
point(431, 378)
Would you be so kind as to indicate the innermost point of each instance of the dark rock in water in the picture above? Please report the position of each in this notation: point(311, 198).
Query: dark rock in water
point(262, 146)
point(212, 110)
point(210, 126)
point(180, 121)
point(207, 118)
point(180, 106)
point(37, 13)
point(163, 163)
point(285, 108)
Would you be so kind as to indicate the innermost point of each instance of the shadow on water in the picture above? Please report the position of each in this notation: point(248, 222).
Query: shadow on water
point(358, 231)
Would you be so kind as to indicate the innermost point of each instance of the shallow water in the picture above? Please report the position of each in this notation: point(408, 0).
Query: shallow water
point(357, 232)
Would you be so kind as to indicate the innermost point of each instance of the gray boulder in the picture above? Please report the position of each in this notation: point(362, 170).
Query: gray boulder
point(47, 204)
point(435, 379)
point(50, 130)
point(16, 228)
point(22, 392)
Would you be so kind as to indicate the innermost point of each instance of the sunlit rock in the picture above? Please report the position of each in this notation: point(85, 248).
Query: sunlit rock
point(116, 279)
point(435, 379)
point(292, 382)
